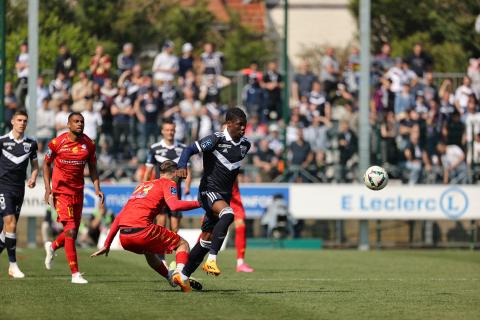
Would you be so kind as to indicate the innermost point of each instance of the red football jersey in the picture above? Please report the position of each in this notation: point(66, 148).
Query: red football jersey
point(70, 158)
point(147, 201)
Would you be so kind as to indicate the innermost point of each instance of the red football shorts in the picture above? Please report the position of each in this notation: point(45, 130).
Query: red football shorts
point(152, 239)
point(69, 209)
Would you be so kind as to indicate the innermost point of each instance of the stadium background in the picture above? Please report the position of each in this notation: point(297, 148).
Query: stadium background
point(248, 36)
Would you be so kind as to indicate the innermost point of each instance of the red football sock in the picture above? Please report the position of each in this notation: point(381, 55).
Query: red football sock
point(71, 253)
point(240, 241)
point(181, 257)
point(59, 242)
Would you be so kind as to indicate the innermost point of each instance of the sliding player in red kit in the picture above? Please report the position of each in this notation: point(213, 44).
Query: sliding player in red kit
point(240, 236)
point(140, 234)
point(69, 153)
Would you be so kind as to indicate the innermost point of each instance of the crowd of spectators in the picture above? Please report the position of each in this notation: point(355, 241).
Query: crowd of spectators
point(423, 130)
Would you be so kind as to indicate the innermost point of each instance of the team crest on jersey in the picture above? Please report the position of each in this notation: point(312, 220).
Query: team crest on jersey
point(173, 190)
point(75, 149)
point(26, 147)
point(243, 150)
point(206, 144)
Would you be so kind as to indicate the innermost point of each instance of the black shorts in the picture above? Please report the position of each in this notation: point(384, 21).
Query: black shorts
point(207, 199)
point(11, 202)
point(168, 211)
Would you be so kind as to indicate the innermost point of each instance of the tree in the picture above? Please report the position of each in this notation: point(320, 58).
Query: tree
point(444, 27)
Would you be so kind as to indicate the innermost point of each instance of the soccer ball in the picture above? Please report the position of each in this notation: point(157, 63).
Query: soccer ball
point(375, 178)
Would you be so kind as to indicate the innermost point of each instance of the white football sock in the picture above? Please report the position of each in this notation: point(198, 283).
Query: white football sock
point(240, 262)
point(212, 257)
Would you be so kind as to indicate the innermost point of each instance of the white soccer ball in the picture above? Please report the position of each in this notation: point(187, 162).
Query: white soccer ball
point(375, 178)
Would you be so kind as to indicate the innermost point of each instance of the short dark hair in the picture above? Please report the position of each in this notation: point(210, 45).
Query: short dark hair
point(167, 121)
point(20, 113)
point(168, 166)
point(74, 114)
point(234, 114)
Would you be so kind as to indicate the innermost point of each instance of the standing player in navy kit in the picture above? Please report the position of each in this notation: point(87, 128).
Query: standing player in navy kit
point(17, 151)
point(167, 149)
point(222, 156)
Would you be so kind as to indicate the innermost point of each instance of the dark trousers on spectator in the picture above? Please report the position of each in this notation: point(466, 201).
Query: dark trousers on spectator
point(121, 133)
point(148, 130)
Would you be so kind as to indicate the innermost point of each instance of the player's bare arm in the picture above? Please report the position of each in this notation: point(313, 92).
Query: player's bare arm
point(46, 180)
point(32, 181)
point(92, 167)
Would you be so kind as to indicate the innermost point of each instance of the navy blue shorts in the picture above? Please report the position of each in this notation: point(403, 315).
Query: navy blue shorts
point(207, 199)
point(11, 202)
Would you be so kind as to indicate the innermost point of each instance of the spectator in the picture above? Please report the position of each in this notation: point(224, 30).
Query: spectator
point(461, 95)
point(210, 90)
point(420, 106)
point(330, 71)
point(293, 126)
point(476, 150)
point(383, 98)
point(93, 120)
point(446, 108)
point(45, 124)
point(453, 161)
point(59, 89)
point(433, 128)
point(389, 133)
point(147, 109)
point(190, 110)
point(430, 91)
point(352, 75)
point(21, 66)
point(81, 91)
point(165, 65)
point(189, 82)
point(255, 129)
point(473, 73)
point(347, 146)
point(206, 125)
point(185, 63)
point(300, 157)
point(42, 91)
point(10, 102)
point(399, 74)
point(275, 142)
point(126, 59)
point(61, 118)
point(404, 100)
point(211, 60)
point(303, 81)
point(446, 89)
point(472, 125)
point(122, 116)
point(316, 135)
point(318, 102)
point(273, 83)
point(266, 161)
point(252, 92)
point(384, 61)
point(417, 158)
point(419, 60)
point(170, 98)
point(108, 91)
point(454, 131)
point(66, 63)
point(100, 66)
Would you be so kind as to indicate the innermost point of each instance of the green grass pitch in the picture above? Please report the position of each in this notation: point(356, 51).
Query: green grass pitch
point(286, 285)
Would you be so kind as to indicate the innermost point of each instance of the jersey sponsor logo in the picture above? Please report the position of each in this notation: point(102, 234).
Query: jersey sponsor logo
point(173, 190)
point(73, 162)
point(54, 141)
point(75, 149)
point(223, 145)
point(11, 144)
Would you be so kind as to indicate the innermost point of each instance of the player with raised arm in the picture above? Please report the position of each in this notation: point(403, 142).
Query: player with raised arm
point(17, 151)
point(167, 149)
point(69, 153)
point(222, 156)
point(139, 233)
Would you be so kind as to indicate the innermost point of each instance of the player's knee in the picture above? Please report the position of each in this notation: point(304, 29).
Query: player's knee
point(10, 223)
point(206, 244)
point(183, 245)
point(226, 213)
point(71, 234)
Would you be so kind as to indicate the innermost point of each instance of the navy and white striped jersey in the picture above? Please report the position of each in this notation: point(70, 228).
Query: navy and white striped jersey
point(222, 159)
point(14, 161)
point(160, 152)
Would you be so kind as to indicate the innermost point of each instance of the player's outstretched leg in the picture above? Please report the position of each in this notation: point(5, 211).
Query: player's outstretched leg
point(218, 236)
point(181, 259)
point(11, 246)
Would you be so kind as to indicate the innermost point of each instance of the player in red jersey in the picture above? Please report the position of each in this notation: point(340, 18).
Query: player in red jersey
point(240, 237)
point(140, 234)
point(69, 153)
